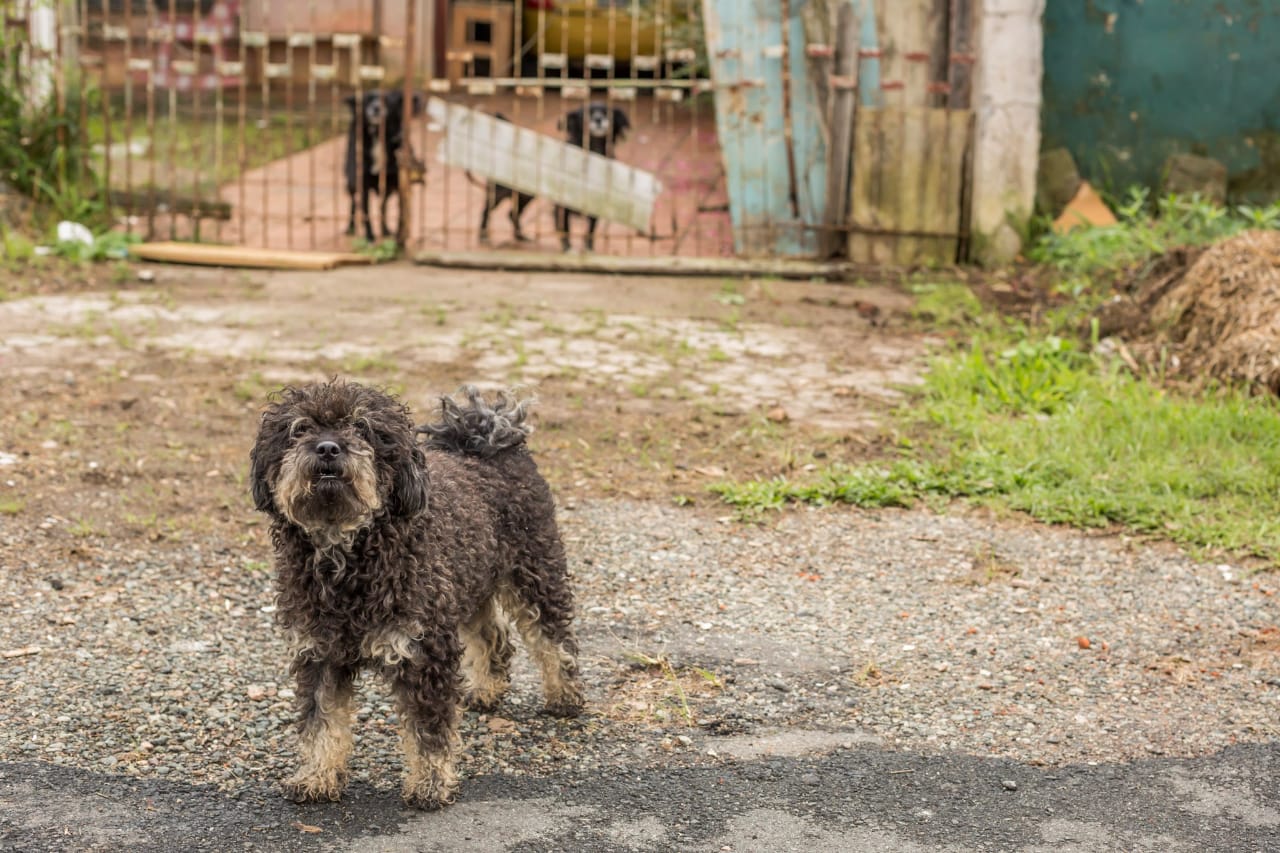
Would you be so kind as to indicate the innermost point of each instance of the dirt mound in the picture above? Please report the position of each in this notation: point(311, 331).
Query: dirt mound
point(1199, 315)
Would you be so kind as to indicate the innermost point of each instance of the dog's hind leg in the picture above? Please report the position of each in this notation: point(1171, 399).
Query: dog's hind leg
point(428, 696)
point(541, 605)
point(486, 658)
point(382, 210)
point(562, 226)
point(364, 210)
point(325, 693)
point(518, 203)
point(489, 204)
point(589, 242)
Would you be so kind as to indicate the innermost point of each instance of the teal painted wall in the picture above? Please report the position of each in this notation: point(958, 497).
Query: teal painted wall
point(1127, 82)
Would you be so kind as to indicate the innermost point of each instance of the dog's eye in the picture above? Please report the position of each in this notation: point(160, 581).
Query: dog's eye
point(300, 425)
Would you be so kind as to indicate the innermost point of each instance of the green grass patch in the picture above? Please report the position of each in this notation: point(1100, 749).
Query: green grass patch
point(1047, 429)
point(1145, 229)
point(945, 303)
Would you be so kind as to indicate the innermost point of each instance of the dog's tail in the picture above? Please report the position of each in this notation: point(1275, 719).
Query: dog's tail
point(477, 427)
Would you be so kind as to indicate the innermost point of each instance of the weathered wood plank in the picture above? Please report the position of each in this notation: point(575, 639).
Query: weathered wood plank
point(907, 180)
point(840, 155)
point(789, 268)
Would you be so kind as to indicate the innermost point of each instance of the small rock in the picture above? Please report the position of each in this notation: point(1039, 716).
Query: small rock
point(778, 684)
point(1191, 174)
point(811, 779)
point(1009, 785)
point(256, 692)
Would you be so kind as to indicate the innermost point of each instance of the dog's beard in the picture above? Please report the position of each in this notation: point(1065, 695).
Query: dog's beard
point(330, 500)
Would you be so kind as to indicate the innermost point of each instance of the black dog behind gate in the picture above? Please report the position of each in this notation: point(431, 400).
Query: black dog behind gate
point(598, 128)
point(495, 194)
point(376, 145)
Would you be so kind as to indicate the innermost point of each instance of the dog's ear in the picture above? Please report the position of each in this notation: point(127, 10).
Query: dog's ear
point(399, 456)
point(620, 124)
point(409, 489)
point(571, 124)
point(264, 458)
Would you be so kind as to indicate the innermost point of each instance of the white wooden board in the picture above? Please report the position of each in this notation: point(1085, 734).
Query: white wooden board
point(544, 166)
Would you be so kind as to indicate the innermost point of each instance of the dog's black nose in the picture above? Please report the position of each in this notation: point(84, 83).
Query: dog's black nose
point(328, 450)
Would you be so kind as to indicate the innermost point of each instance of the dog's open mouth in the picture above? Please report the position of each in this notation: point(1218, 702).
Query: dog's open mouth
point(328, 480)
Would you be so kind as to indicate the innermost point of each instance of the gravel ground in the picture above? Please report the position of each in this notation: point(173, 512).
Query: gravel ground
point(136, 627)
point(701, 636)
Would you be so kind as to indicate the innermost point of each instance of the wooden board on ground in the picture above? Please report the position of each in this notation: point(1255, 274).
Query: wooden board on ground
point(205, 254)
point(789, 268)
point(908, 178)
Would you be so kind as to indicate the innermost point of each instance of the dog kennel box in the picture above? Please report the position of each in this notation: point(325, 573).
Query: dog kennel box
point(480, 39)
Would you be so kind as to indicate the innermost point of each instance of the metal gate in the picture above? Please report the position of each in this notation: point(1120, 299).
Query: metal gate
point(230, 120)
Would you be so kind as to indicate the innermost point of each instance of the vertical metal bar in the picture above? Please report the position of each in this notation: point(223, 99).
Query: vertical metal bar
point(219, 126)
point(692, 109)
point(82, 130)
point(611, 42)
point(335, 129)
point(541, 110)
point(172, 79)
point(152, 150)
point(264, 117)
point(196, 129)
point(241, 120)
point(358, 117)
point(634, 11)
point(446, 196)
point(106, 119)
point(288, 130)
point(425, 77)
point(400, 155)
point(311, 122)
point(128, 115)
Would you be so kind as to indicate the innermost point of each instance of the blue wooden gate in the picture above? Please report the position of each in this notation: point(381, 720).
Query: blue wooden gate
point(769, 124)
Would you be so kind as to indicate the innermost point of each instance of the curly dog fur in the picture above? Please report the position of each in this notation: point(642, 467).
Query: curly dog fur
point(410, 558)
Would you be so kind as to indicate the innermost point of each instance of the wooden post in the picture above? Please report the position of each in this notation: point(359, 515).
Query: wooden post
point(843, 102)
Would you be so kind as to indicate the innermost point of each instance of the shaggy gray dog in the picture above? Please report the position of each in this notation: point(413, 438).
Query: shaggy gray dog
point(409, 558)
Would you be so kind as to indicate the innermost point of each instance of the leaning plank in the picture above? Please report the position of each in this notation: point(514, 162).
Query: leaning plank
point(239, 256)
point(544, 166)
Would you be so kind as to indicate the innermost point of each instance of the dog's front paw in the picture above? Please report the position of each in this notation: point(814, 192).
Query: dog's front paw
point(314, 788)
point(568, 703)
point(431, 792)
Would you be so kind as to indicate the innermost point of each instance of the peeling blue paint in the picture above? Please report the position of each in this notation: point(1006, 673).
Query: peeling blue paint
point(776, 197)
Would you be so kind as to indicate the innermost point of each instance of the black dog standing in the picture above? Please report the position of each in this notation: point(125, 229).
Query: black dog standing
point(375, 138)
point(598, 128)
point(495, 194)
